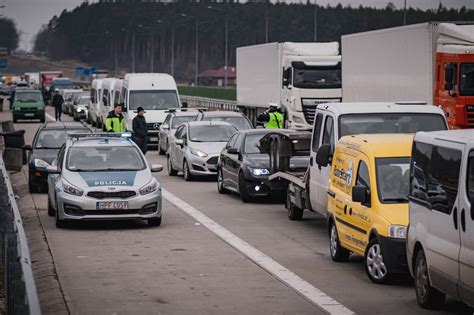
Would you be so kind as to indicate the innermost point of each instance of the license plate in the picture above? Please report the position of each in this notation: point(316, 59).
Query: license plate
point(154, 139)
point(29, 115)
point(114, 205)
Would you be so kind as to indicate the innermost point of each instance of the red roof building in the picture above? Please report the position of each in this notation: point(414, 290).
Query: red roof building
point(216, 77)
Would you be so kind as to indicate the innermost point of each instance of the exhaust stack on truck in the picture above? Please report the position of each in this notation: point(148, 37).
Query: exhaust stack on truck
point(297, 76)
point(429, 62)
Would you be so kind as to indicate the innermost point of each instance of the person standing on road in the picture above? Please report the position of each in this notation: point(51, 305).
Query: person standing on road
point(272, 118)
point(57, 102)
point(140, 130)
point(115, 121)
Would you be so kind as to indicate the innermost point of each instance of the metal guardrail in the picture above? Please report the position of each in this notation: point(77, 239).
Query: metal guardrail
point(20, 288)
point(210, 103)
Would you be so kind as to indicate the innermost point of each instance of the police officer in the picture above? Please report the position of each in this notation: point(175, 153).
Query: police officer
point(140, 130)
point(57, 103)
point(272, 118)
point(115, 121)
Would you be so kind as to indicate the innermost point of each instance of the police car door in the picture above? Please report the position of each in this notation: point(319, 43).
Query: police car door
point(54, 181)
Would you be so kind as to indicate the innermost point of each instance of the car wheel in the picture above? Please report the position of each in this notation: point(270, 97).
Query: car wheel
point(294, 213)
point(244, 194)
point(60, 224)
point(171, 170)
point(220, 182)
point(374, 265)
point(186, 172)
point(427, 296)
point(338, 253)
point(51, 211)
point(154, 221)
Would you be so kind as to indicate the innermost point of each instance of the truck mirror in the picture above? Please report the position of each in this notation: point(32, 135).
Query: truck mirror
point(361, 194)
point(185, 104)
point(449, 86)
point(323, 156)
point(449, 74)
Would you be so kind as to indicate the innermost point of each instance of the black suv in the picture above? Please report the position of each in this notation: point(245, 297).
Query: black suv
point(48, 139)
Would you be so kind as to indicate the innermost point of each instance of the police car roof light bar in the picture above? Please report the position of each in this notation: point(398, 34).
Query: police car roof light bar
point(77, 136)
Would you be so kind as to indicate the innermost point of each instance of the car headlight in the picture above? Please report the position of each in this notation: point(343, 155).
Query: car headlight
point(397, 231)
point(78, 110)
point(199, 153)
point(149, 188)
point(259, 171)
point(69, 189)
point(40, 163)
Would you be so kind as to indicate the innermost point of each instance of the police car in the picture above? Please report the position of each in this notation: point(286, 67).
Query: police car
point(103, 177)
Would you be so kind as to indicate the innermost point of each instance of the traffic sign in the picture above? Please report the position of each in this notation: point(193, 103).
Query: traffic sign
point(3, 63)
point(79, 71)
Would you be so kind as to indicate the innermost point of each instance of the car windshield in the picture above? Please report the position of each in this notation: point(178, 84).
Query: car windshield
point(318, 78)
point(467, 79)
point(365, 123)
point(251, 143)
point(178, 120)
point(393, 179)
point(211, 133)
point(154, 100)
point(84, 100)
point(241, 123)
point(55, 138)
point(106, 158)
point(29, 97)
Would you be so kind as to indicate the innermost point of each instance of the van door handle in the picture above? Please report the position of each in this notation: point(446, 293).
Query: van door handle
point(455, 218)
point(463, 220)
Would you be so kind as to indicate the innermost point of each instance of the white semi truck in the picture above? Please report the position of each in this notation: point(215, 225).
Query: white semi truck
point(297, 76)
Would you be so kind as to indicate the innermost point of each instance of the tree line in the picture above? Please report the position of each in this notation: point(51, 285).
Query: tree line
point(9, 34)
point(116, 33)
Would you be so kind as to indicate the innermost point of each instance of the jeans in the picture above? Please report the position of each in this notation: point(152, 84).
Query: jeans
point(57, 113)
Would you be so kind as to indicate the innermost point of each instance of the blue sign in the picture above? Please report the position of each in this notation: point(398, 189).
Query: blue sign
point(87, 71)
point(3, 63)
point(79, 71)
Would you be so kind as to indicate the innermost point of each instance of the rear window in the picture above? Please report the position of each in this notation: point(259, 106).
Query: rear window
point(55, 138)
point(240, 123)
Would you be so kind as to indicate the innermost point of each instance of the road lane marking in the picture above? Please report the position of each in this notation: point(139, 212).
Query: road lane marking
point(50, 117)
point(301, 286)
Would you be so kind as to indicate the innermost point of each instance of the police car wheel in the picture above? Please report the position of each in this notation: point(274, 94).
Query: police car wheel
point(60, 224)
point(154, 221)
point(427, 296)
point(51, 211)
point(338, 253)
point(374, 264)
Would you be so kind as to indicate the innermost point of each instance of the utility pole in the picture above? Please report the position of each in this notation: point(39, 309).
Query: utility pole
point(171, 24)
point(151, 52)
point(266, 22)
point(315, 20)
point(116, 58)
point(133, 51)
point(226, 44)
point(405, 13)
point(196, 61)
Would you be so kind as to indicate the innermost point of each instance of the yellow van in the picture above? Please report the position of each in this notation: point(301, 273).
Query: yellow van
point(368, 204)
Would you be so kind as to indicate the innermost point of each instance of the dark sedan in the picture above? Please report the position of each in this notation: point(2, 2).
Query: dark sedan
point(242, 168)
point(47, 141)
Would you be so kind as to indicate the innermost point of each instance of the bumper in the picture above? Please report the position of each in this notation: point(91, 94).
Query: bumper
point(298, 121)
point(394, 254)
point(199, 166)
point(28, 114)
point(259, 186)
point(85, 208)
point(153, 138)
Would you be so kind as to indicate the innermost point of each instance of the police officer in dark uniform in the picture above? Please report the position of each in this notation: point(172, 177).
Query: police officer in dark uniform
point(139, 130)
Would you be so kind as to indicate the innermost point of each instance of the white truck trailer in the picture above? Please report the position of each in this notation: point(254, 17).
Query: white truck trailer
point(297, 76)
point(429, 62)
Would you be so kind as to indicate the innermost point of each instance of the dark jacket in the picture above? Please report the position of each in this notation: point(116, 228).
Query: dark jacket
point(115, 123)
point(139, 127)
point(58, 100)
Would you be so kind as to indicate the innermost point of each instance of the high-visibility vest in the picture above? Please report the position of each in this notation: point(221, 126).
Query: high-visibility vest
point(275, 122)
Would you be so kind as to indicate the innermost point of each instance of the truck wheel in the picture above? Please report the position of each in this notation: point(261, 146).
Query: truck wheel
point(244, 194)
point(374, 264)
point(427, 296)
point(273, 156)
point(171, 170)
point(294, 213)
point(338, 253)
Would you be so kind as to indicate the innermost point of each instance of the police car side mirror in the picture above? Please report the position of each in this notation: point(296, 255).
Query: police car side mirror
point(323, 157)
point(52, 169)
point(361, 194)
point(156, 168)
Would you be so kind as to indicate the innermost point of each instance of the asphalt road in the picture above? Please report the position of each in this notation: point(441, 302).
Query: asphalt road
point(204, 263)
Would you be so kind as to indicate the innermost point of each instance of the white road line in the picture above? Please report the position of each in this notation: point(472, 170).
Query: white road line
point(50, 117)
point(301, 286)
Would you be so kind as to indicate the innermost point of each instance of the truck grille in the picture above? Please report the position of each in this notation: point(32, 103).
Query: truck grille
point(470, 115)
point(309, 112)
point(309, 107)
point(115, 194)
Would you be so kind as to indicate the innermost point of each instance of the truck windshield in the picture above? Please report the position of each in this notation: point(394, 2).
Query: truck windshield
point(154, 99)
point(29, 97)
point(352, 124)
point(318, 78)
point(467, 79)
point(393, 179)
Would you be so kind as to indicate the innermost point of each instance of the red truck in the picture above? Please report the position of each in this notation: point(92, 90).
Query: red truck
point(46, 80)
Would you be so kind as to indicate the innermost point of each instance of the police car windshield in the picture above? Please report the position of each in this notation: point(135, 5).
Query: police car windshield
point(241, 123)
point(55, 138)
point(352, 124)
point(178, 120)
point(211, 133)
point(393, 179)
point(106, 158)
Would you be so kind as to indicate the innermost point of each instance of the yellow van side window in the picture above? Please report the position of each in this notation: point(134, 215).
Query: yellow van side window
point(363, 178)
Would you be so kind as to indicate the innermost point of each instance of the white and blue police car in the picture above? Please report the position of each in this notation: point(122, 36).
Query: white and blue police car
point(103, 177)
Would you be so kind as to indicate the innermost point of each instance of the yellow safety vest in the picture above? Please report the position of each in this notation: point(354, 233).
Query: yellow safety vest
point(275, 122)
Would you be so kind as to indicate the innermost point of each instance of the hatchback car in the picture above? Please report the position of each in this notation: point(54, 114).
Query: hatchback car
point(196, 148)
point(103, 177)
point(172, 121)
point(236, 119)
point(47, 141)
point(80, 107)
point(28, 104)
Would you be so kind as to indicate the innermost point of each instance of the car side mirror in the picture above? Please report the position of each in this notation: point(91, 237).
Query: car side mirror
point(27, 147)
point(323, 157)
point(361, 194)
point(179, 142)
point(233, 151)
point(156, 168)
point(165, 126)
point(52, 169)
point(449, 73)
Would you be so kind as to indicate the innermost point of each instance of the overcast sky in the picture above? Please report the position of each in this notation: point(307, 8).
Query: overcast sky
point(31, 14)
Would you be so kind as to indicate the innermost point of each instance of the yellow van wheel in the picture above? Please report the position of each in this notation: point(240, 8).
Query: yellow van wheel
point(338, 253)
point(374, 264)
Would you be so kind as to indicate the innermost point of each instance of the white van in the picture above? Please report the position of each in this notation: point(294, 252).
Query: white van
point(156, 93)
point(96, 100)
point(107, 103)
point(117, 91)
point(440, 239)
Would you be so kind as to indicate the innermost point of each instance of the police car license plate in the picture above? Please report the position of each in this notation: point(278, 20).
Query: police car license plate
point(114, 205)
